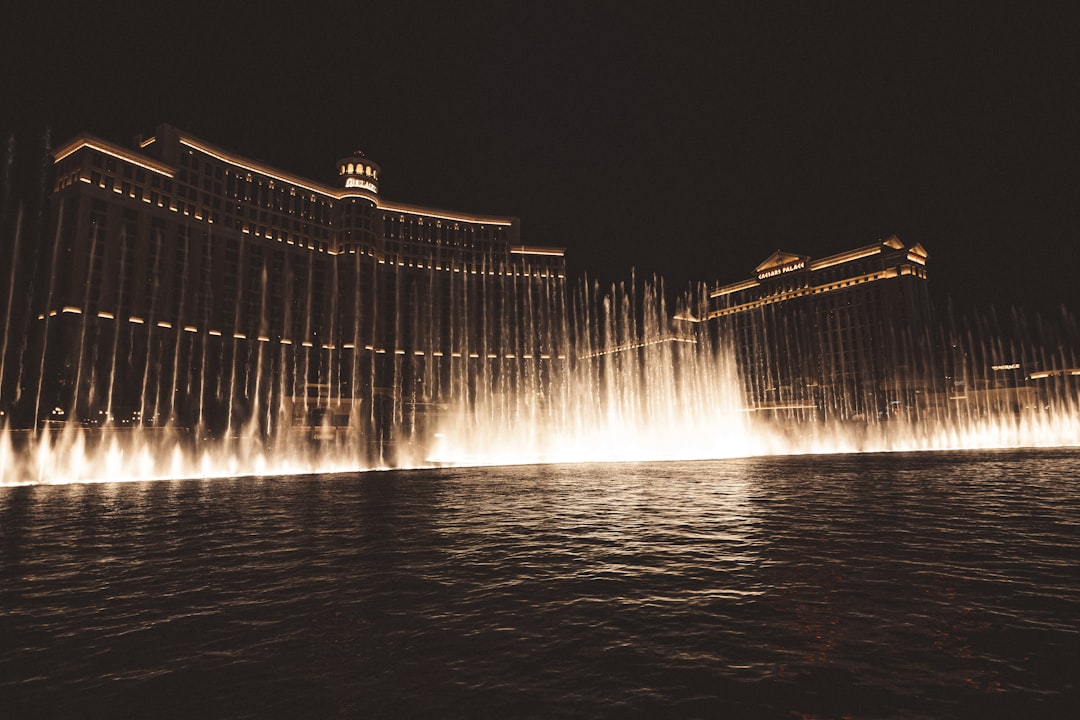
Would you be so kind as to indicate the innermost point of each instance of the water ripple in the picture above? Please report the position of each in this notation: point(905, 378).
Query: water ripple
point(924, 585)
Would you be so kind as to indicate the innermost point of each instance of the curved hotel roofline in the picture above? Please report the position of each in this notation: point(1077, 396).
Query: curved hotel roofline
point(85, 140)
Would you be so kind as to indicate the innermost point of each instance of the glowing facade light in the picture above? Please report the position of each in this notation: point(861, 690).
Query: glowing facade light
point(536, 250)
point(845, 257)
point(115, 151)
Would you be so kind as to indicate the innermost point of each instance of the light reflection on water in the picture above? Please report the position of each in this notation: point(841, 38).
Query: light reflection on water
point(898, 585)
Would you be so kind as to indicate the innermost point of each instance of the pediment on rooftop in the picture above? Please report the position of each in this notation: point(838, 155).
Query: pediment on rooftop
point(779, 259)
point(919, 250)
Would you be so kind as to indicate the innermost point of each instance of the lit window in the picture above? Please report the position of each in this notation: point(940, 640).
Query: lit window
point(350, 170)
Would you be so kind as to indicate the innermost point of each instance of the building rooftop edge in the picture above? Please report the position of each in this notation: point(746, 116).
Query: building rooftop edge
point(892, 242)
point(85, 139)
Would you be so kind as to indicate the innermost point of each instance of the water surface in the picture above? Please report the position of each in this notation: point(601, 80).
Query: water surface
point(892, 585)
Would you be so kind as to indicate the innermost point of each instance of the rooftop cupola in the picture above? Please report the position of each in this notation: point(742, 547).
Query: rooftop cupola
point(359, 173)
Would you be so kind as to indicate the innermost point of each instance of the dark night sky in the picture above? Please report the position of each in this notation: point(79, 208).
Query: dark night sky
point(689, 142)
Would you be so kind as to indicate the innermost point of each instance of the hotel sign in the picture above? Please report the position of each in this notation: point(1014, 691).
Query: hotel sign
point(354, 182)
point(780, 270)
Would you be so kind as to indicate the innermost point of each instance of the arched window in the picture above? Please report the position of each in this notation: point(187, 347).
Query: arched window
point(350, 168)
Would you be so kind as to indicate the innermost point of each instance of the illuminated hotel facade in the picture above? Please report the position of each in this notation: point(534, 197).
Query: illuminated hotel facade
point(188, 284)
point(843, 336)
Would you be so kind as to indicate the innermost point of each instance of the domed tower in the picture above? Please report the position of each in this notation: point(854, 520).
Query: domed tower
point(360, 225)
point(359, 173)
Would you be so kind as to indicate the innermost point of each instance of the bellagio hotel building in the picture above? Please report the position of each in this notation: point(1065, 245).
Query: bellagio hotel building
point(188, 284)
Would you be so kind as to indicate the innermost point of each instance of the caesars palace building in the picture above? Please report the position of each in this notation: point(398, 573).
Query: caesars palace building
point(846, 336)
point(187, 284)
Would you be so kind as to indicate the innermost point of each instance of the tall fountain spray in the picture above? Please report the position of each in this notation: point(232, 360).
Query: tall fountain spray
point(192, 313)
point(605, 375)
